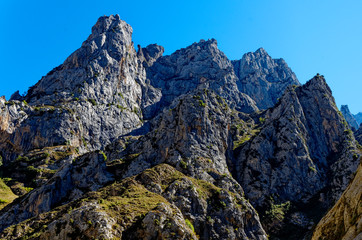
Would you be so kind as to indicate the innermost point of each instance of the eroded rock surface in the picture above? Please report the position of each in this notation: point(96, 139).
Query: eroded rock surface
point(352, 122)
point(263, 78)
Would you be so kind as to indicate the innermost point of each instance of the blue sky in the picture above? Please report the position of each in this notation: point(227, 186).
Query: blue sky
point(312, 36)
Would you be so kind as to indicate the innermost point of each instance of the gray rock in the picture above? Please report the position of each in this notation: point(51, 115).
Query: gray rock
point(201, 64)
point(86, 173)
point(301, 148)
point(358, 118)
point(262, 78)
point(88, 101)
point(358, 135)
point(352, 122)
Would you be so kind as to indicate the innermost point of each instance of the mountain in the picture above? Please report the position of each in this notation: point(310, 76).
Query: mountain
point(263, 78)
point(201, 64)
point(122, 144)
point(358, 118)
point(352, 122)
point(344, 220)
point(298, 159)
point(358, 135)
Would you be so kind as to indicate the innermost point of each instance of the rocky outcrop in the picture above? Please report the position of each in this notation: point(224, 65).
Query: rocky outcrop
point(201, 64)
point(79, 176)
point(353, 124)
point(344, 220)
point(180, 139)
point(159, 203)
point(302, 150)
point(358, 135)
point(358, 118)
point(88, 101)
point(262, 78)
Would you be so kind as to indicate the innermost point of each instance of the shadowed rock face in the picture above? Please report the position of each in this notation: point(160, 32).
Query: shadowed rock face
point(262, 78)
point(352, 122)
point(344, 220)
point(358, 135)
point(358, 117)
point(201, 64)
point(303, 151)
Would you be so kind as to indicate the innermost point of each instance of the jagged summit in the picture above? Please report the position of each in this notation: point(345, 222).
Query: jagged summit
point(200, 64)
point(263, 78)
point(352, 122)
point(138, 145)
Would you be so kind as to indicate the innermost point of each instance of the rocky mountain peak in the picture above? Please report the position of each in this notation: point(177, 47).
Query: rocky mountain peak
point(108, 23)
point(138, 145)
point(352, 122)
point(187, 69)
point(263, 78)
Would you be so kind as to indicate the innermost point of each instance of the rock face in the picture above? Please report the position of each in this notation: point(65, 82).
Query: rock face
point(358, 135)
point(137, 145)
point(89, 100)
point(87, 173)
point(262, 78)
point(349, 117)
point(201, 64)
point(358, 118)
point(344, 220)
point(302, 150)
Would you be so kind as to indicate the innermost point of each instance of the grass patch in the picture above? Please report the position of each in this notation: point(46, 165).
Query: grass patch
point(6, 195)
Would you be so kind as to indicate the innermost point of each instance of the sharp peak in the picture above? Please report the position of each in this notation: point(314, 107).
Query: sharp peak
point(261, 51)
point(204, 42)
point(108, 23)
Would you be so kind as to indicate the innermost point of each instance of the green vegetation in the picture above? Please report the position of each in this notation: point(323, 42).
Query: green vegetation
point(261, 120)
point(6, 195)
point(189, 224)
point(183, 164)
point(104, 155)
point(201, 103)
point(312, 168)
point(92, 101)
point(245, 137)
point(84, 142)
point(277, 211)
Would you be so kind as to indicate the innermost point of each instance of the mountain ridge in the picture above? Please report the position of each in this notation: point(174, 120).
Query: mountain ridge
point(178, 139)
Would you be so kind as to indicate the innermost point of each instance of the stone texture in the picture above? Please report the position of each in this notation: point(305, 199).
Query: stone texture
point(263, 78)
point(358, 135)
point(302, 150)
point(86, 173)
point(201, 64)
point(130, 209)
point(88, 101)
point(344, 220)
point(181, 138)
point(358, 118)
point(352, 122)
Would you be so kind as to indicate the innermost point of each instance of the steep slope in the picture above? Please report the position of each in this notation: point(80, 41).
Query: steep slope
point(300, 158)
point(358, 135)
point(358, 117)
point(262, 78)
point(344, 220)
point(199, 64)
point(189, 140)
point(89, 100)
point(352, 122)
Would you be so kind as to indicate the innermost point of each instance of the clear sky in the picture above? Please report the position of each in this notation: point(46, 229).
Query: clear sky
point(323, 36)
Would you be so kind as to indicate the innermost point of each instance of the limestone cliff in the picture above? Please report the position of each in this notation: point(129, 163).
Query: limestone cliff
point(352, 122)
point(263, 78)
point(344, 220)
point(301, 153)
